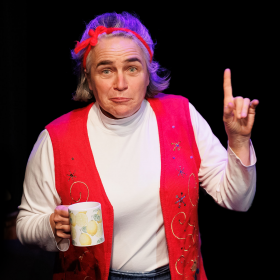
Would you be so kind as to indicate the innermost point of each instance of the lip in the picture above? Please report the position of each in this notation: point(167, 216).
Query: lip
point(120, 99)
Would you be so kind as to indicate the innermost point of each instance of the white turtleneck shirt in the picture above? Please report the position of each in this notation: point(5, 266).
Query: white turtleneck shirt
point(127, 156)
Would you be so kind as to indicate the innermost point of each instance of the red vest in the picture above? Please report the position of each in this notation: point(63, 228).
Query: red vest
point(77, 180)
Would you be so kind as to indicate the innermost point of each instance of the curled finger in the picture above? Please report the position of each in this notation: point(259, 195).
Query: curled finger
point(254, 103)
point(65, 228)
point(59, 219)
point(63, 231)
point(238, 102)
point(63, 234)
point(245, 107)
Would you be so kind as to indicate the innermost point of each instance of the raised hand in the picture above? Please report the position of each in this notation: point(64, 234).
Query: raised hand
point(239, 113)
point(239, 117)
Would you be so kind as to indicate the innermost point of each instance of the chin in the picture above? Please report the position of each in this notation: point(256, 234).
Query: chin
point(123, 111)
point(117, 113)
point(121, 115)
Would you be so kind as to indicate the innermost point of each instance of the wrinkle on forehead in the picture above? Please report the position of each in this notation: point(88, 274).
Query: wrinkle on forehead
point(116, 49)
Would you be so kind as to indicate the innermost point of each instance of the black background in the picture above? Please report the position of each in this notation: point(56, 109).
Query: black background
point(195, 45)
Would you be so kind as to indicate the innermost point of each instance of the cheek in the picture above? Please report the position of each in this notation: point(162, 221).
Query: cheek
point(140, 84)
point(101, 88)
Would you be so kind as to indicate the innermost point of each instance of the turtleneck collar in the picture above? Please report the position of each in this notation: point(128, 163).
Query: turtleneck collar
point(120, 126)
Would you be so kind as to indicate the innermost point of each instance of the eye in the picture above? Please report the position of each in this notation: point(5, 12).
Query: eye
point(132, 69)
point(106, 71)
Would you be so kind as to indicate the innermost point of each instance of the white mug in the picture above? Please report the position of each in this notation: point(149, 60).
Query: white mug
point(86, 224)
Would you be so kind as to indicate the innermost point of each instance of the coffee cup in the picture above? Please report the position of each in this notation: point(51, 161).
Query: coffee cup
point(86, 224)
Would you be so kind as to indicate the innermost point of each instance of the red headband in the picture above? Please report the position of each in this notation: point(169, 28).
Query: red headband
point(92, 41)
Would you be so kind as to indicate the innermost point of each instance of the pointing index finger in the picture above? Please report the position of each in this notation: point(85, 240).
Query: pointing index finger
point(227, 87)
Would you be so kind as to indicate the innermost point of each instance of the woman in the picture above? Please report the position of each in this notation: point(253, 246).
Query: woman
point(141, 154)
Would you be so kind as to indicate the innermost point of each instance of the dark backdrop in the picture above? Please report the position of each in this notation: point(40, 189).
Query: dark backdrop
point(196, 45)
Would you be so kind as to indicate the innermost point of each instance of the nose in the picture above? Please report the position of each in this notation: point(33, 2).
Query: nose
point(120, 82)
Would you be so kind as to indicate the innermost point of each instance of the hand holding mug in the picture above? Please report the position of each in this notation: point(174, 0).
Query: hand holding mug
point(60, 223)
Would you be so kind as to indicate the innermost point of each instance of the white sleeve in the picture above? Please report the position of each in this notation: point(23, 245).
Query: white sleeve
point(222, 174)
point(39, 199)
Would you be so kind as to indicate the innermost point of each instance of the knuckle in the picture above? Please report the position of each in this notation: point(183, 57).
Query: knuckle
point(57, 226)
point(238, 98)
point(66, 228)
point(56, 218)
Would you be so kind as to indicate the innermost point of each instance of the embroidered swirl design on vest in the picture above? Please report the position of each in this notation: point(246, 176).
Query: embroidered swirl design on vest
point(189, 188)
point(183, 248)
point(191, 224)
point(86, 261)
point(180, 223)
point(80, 192)
point(194, 228)
point(182, 256)
point(191, 229)
point(195, 244)
point(81, 257)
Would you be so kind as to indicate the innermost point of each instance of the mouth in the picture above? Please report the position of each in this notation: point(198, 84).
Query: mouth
point(120, 99)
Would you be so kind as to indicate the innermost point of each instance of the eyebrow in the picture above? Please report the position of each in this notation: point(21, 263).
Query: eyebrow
point(132, 59)
point(109, 62)
point(104, 62)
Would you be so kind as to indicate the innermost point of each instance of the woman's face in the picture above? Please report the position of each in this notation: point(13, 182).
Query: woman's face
point(118, 77)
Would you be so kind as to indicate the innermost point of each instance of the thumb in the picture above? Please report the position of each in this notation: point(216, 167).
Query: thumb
point(228, 112)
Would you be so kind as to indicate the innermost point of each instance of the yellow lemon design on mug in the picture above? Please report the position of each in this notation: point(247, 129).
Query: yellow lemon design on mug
point(72, 219)
point(92, 228)
point(99, 214)
point(73, 232)
point(85, 239)
point(81, 219)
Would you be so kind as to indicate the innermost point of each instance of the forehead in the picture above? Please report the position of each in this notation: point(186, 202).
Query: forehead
point(115, 48)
